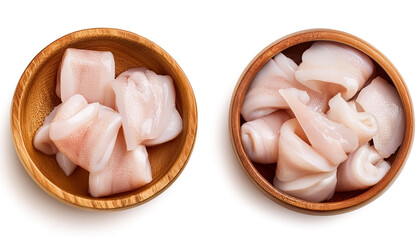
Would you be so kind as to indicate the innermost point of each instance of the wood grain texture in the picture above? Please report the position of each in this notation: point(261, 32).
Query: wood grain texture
point(35, 97)
point(293, 46)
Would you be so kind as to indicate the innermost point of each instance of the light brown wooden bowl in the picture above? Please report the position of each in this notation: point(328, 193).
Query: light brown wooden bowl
point(35, 97)
point(261, 175)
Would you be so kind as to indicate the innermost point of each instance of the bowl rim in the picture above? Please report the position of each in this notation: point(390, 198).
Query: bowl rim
point(310, 35)
point(91, 203)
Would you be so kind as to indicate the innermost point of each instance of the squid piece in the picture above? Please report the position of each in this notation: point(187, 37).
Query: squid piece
point(363, 124)
point(334, 68)
point(85, 133)
point(330, 139)
point(296, 158)
point(146, 102)
point(364, 168)
point(65, 164)
point(88, 73)
point(383, 101)
point(125, 171)
point(42, 140)
point(172, 129)
point(315, 187)
point(260, 137)
point(262, 97)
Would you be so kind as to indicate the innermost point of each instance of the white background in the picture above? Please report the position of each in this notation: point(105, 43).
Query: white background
point(213, 42)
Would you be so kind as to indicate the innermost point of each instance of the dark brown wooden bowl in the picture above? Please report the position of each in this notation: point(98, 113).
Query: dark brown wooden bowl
point(261, 175)
point(35, 97)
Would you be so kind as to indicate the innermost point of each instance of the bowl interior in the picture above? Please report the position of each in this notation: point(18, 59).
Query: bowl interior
point(262, 174)
point(268, 170)
point(38, 98)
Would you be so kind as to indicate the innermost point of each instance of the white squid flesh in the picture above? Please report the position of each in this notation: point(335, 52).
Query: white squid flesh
point(330, 139)
point(296, 158)
point(146, 103)
point(364, 168)
point(260, 137)
point(363, 124)
point(333, 68)
point(85, 133)
point(125, 171)
point(382, 100)
point(263, 98)
point(88, 73)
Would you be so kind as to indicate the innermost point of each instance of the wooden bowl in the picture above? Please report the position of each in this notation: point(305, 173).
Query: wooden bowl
point(35, 97)
point(261, 175)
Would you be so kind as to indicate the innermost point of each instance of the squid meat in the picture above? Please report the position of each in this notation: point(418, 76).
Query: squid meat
point(260, 137)
point(383, 101)
point(315, 187)
point(296, 158)
point(42, 140)
point(172, 129)
point(146, 102)
point(364, 168)
point(65, 164)
point(363, 124)
point(334, 68)
point(125, 171)
point(262, 97)
point(88, 73)
point(85, 133)
point(330, 139)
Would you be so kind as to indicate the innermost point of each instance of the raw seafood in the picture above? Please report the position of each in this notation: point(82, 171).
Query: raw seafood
point(85, 133)
point(364, 168)
point(363, 124)
point(126, 170)
point(156, 96)
point(65, 164)
point(321, 151)
point(333, 68)
point(260, 137)
point(172, 129)
point(315, 187)
point(83, 130)
point(42, 140)
point(383, 101)
point(262, 97)
point(330, 139)
point(88, 73)
point(296, 158)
